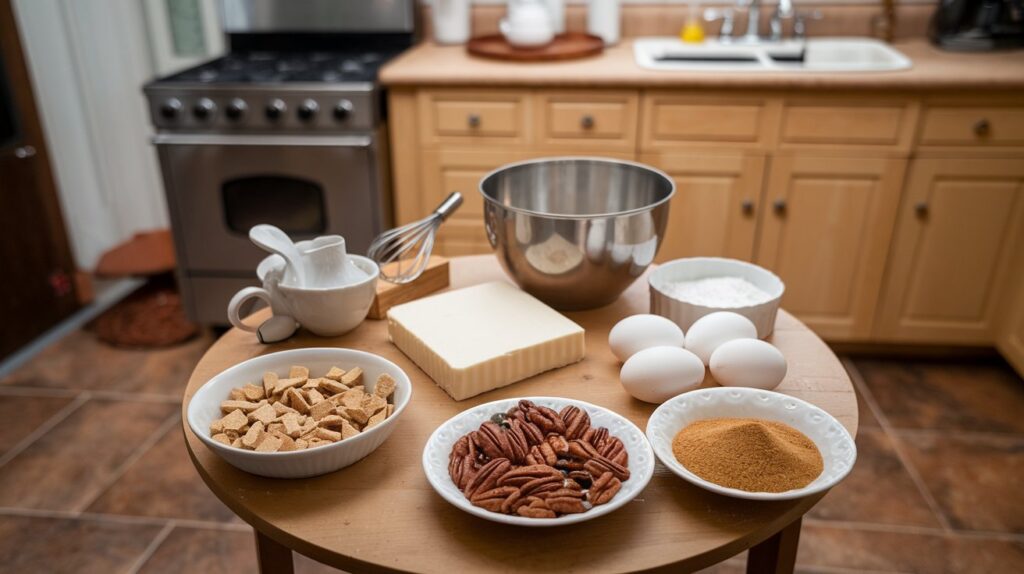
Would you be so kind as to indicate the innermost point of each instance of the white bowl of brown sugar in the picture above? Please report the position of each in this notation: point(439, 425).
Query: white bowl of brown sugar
point(751, 443)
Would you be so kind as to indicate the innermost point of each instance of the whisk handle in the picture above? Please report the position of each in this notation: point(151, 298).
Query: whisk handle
point(449, 205)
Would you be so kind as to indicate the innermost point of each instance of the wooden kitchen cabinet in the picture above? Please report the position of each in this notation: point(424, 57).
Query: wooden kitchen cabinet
point(714, 212)
point(1010, 340)
point(825, 231)
point(959, 226)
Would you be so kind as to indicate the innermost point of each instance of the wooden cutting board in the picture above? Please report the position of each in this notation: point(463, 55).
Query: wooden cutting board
point(568, 46)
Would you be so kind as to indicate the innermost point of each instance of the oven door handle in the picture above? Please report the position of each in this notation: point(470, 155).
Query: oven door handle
point(262, 140)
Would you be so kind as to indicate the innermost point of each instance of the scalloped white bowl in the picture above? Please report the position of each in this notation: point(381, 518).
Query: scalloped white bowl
point(205, 408)
point(439, 446)
point(837, 447)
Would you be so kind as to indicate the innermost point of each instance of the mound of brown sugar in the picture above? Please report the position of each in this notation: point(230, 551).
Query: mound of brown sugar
point(748, 454)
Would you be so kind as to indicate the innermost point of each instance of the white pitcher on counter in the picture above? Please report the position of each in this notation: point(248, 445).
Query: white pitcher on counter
point(451, 20)
point(528, 24)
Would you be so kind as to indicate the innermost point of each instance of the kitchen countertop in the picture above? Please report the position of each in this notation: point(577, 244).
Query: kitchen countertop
point(434, 65)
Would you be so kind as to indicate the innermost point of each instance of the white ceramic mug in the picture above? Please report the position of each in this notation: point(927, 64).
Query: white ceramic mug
point(327, 312)
point(451, 21)
point(528, 24)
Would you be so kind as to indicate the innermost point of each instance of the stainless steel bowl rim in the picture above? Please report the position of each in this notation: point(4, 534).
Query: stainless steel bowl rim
point(492, 201)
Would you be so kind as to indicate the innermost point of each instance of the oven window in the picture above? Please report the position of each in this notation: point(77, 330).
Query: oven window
point(295, 205)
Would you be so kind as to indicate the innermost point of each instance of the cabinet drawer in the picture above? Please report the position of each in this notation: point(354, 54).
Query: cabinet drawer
point(679, 121)
point(858, 125)
point(588, 120)
point(460, 117)
point(973, 126)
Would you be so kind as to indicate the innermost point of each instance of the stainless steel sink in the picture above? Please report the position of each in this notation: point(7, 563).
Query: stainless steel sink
point(810, 55)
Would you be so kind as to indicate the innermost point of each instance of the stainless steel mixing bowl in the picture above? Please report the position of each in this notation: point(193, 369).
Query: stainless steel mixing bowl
point(575, 232)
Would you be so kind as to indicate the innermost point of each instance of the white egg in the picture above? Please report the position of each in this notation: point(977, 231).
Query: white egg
point(710, 331)
point(640, 332)
point(748, 363)
point(657, 374)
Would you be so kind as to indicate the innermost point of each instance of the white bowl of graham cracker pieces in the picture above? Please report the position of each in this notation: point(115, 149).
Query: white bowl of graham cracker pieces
point(300, 413)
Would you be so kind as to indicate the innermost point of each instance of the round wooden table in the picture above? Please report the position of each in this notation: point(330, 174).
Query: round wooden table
point(381, 515)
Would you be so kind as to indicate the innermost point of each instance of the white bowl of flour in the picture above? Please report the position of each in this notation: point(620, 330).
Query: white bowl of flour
point(685, 290)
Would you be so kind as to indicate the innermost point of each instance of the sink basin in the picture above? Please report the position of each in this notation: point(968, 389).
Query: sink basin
point(810, 55)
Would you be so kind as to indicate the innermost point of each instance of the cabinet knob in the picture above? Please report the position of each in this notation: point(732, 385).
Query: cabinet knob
point(921, 209)
point(982, 127)
point(747, 207)
point(779, 206)
point(24, 152)
point(587, 122)
point(473, 120)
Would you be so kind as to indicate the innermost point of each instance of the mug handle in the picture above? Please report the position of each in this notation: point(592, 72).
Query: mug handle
point(239, 299)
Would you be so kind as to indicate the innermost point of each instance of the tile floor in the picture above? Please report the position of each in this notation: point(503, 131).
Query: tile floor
point(94, 476)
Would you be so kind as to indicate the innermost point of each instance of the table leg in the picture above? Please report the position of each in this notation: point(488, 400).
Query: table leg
point(777, 555)
point(273, 558)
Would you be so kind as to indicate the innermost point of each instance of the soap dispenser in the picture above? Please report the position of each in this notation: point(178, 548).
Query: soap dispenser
point(693, 30)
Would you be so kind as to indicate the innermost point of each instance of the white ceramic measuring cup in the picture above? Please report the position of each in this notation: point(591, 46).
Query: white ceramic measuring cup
point(326, 264)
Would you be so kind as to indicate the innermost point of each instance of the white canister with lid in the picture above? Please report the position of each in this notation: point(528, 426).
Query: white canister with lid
point(451, 21)
point(603, 20)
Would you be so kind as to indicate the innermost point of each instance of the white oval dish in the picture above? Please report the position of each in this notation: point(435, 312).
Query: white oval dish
point(837, 447)
point(439, 446)
point(205, 408)
point(684, 313)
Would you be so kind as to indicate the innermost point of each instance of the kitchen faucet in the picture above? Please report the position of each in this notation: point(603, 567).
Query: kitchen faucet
point(753, 20)
point(783, 11)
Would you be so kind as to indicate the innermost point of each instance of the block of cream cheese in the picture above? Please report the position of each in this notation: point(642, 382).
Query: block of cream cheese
point(480, 338)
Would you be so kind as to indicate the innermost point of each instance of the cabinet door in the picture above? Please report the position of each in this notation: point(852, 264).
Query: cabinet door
point(957, 229)
point(447, 170)
point(714, 212)
point(825, 231)
point(1011, 337)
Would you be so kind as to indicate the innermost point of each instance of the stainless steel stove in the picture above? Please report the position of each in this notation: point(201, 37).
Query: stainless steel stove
point(287, 129)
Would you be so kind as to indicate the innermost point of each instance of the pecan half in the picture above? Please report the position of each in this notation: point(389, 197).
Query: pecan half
point(613, 449)
point(546, 420)
point(542, 484)
point(487, 477)
point(492, 441)
point(576, 420)
point(565, 504)
point(596, 436)
point(580, 477)
point(569, 465)
point(558, 444)
point(494, 498)
point(518, 446)
point(544, 454)
point(600, 465)
point(603, 489)
point(529, 430)
point(535, 510)
point(520, 476)
point(460, 449)
point(582, 450)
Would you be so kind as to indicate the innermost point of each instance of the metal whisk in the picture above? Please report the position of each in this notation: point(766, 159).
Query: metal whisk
point(403, 252)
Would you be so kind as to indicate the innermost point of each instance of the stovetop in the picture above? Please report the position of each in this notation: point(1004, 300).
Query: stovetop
point(286, 67)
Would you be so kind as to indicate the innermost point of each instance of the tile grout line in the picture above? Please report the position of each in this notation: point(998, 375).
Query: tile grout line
point(123, 519)
point(161, 431)
point(858, 379)
point(44, 428)
point(908, 529)
point(152, 547)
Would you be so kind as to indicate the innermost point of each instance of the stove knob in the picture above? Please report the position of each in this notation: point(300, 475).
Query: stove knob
point(170, 108)
point(275, 109)
point(236, 109)
point(343, 110)
point(204, 108)
point(308, 109)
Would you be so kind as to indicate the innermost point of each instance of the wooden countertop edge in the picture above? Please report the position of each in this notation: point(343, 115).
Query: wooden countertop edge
point(450, 66)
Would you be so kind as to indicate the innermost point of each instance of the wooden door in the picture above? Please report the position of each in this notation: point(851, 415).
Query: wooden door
point(714, 212)
point(958, 228)
point(448, 170)
point(825, 231)
point(38, 287)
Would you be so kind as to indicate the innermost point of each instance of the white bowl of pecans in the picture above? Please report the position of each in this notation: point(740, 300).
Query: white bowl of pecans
point(300, 413)
point(538, 461)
